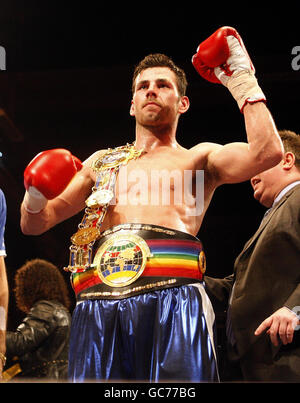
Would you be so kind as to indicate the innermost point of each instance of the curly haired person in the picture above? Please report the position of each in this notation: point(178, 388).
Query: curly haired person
point(41, 341)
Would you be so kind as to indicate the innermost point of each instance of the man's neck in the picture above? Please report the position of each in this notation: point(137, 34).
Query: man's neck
point(150, 138)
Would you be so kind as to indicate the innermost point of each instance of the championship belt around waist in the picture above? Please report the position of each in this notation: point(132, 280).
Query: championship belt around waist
point(132, 259)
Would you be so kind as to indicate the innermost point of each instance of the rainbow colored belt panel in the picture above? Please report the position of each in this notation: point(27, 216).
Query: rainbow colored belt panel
point(169, 258)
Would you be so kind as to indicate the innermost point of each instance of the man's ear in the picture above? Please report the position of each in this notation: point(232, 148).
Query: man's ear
point(288, 160)
point(132, 109)
point(184, 104)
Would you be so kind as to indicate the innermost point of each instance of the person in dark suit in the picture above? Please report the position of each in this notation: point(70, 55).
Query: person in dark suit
point(264, 290)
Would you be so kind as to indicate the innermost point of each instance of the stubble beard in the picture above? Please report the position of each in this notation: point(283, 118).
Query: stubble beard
point(156, 122)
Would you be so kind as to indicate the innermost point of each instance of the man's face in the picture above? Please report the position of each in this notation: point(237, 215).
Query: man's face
point(156, 101)
point(266, 185)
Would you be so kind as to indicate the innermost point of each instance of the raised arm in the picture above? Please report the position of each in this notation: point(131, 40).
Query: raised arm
point(238, 162)
point(223, 59)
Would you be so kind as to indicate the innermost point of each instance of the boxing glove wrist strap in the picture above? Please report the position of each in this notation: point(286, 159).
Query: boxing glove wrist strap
point(245, 89)
point(34, 201)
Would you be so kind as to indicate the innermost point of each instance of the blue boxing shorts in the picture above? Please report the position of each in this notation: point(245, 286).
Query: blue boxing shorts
point(160, 335)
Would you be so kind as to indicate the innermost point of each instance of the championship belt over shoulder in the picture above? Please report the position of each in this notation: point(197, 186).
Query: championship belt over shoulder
point(89, 230)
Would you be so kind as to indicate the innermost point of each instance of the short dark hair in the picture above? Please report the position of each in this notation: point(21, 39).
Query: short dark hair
point(37, 280)
point(291, 142)
point(161, 60)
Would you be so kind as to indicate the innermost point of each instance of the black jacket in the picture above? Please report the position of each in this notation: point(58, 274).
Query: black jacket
point(266, 277)
point(41, 341)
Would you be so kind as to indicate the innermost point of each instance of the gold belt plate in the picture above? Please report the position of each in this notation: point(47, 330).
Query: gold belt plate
point(112, 159)
point(85, 235)
point(99, 198)
point(202, 262)
point(121, 259)
point(116, 157)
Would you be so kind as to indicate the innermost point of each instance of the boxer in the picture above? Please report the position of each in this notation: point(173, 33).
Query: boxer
point(137, 269)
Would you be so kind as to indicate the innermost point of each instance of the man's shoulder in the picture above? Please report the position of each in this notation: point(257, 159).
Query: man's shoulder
point(203, 150)
point(289, 205)
point(201, 153)
point(293, 195)
point(93, 157)
point(205, 147)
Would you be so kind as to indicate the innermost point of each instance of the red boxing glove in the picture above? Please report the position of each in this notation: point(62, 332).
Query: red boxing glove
point(222, 58)
point(223, 51)
point(51, 171)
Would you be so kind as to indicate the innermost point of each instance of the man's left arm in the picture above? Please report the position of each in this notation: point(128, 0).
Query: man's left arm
point(238, 162)
point(222, 58)
point(282, 324)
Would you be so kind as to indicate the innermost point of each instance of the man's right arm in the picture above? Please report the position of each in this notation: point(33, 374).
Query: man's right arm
point(56, 188)
point(54, 212)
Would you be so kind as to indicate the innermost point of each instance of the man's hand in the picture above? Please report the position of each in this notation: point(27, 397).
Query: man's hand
point(223, 58)
point(47, 175)
point(281, 325)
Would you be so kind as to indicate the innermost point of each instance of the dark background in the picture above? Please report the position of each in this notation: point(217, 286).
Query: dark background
point(67, 84)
